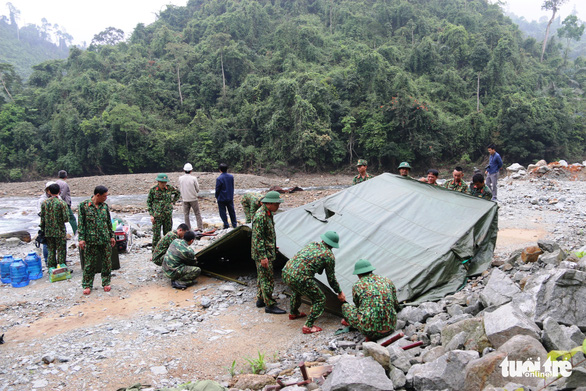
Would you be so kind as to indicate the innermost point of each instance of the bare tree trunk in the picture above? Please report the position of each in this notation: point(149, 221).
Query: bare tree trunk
point(478, 94)
point(6, 89)
point(223, 75)
point(331, 16)
point(547, 34)
point(179, 86)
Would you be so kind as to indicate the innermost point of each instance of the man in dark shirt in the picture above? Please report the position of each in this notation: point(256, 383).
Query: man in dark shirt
point(492, 170)
point(66, 196)
point(225, 196)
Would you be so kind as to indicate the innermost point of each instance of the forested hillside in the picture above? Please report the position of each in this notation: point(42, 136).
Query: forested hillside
point(311, 84)
point(26, 46)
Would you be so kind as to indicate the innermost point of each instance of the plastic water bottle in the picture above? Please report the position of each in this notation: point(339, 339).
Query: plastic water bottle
point(35, 267)
point(18, 273)
point(5, 268)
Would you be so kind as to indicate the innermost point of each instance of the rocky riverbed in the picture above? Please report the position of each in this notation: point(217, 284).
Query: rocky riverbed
point(145, 332)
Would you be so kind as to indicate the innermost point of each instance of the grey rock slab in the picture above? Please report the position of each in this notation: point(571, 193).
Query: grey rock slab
point(558, 295)
point(506, 322)
point(576, 379)
point(473, 337)
point(548, 246)
point(433, 354)
point(553, 258)
point(559, 337)
point(499, 290)
point(159, 370)
point(444, 373)
point(397, 377)
point(378, 352)
point(399, 357)
point(412, 315)
point(357, 374)
point(42, 383)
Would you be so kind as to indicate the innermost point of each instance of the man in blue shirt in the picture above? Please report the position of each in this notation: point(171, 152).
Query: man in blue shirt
point(225, 195)
point(492, 170)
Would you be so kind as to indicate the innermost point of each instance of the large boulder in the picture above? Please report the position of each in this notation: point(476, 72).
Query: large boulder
point(412, 315)
point(445, 373)
point(378, 352)
point(515, 167)
point(499, 289)
point(560, 295)
point(506, 322)
point(487, 370)
point(474, 336)
point(559, 337)
point(357, 374)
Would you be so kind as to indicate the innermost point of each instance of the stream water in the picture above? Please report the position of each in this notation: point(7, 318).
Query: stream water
point(20, 213)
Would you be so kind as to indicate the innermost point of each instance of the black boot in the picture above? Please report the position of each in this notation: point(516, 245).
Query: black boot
point(260, 303)
point(178, 285)
point(274, 310)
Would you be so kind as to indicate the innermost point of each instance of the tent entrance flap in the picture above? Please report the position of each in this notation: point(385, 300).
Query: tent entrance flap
point(319, 211)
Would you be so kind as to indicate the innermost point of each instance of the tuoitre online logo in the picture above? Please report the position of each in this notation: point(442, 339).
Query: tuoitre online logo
point(532, 368)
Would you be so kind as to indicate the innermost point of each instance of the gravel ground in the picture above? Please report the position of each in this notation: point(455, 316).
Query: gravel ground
point(144, 331)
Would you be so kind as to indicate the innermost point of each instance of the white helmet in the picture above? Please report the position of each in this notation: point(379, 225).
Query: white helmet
point(49, 184)
point(187, 167)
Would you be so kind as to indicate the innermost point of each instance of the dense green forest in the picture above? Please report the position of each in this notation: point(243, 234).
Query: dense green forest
point(308, 84)
point(25, 46)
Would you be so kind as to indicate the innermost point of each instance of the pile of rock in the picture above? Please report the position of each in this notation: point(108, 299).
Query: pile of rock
point(558, 169)
point(518, 310)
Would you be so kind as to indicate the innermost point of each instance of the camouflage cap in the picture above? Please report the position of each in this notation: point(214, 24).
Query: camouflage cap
point(404, 165)
point(362, 162)
point(162, 178)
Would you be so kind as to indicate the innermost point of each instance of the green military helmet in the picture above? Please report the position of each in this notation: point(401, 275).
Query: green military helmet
point(331, 238)
point(272, 197)
point(404, 165)
point(363, 266)
point(362, 162)
point(162, 178)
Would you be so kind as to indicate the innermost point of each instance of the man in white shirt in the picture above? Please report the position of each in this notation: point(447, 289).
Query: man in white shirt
point(189, 187)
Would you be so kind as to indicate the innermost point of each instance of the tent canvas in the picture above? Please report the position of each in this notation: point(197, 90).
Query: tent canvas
point(425, 238)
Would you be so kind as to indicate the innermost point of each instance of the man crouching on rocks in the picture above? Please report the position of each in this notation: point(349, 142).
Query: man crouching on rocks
point(179, 262)
point(374, 312)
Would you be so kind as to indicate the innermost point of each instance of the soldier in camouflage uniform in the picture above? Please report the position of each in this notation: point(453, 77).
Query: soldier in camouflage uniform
point(362, 176)
point(404, 169)
point(179, 262)
point(457, 183)
point(298, 274)
point(264, 251)
point(374, 312)
point(96, 238)
point(431, 178)
point(163, 245)
point(250, 203)
point(160, 206)
point(479, 189)
point(54, 215)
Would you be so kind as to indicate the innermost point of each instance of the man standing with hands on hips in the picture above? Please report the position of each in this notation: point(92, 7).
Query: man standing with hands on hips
point(96, 238)
point(492, 170)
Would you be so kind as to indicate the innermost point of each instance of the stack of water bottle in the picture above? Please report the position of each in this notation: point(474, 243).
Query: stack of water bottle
point(18, 271)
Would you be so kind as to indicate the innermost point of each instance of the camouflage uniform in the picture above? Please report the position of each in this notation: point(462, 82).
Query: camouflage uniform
point(482, 193)
point(54, 215)
point(95, 228)
point(457, 187)
point(298, 275)
point(264, 245)
point(179, 263)
point(160, 206)
point(163, 246)
point(374, 312)
point(358, 179)
point(250, 203)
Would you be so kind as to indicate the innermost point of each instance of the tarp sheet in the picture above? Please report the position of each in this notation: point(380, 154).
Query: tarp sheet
point(426, 239)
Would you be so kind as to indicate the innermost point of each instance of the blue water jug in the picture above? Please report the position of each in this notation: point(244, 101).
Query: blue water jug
point(35, 267)
point(18, 273)
point(5, 268)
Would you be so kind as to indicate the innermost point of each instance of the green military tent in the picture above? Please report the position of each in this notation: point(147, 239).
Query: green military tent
point(426, 239)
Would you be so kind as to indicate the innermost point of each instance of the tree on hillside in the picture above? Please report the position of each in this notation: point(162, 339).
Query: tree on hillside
point(479, 59)
point(110, 36)
point(554, 6)
point(14, 16)
point(570, 30)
